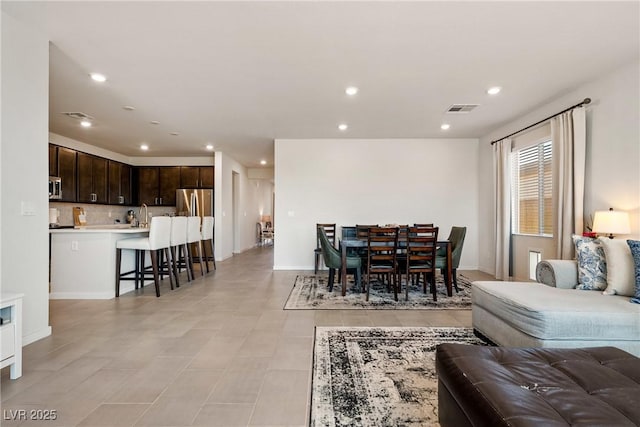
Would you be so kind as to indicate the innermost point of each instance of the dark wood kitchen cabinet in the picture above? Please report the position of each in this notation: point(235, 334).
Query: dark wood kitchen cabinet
point(92, 179)
point(157, 185)
point(196, 177)
point(66, 169)
point(119, 183)
point(53, 160)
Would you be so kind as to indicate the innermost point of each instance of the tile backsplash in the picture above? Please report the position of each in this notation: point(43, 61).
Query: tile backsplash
point(104, 214)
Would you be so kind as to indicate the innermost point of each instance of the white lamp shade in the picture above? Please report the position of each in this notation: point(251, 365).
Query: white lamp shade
point(611, 222)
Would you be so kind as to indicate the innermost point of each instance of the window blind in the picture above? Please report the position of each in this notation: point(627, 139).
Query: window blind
point(532, 207)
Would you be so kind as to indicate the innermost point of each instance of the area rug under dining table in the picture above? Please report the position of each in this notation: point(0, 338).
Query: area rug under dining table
point(378, 376)
point(311, 292)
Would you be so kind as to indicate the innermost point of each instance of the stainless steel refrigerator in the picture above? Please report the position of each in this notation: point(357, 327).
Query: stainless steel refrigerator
point(194, 202)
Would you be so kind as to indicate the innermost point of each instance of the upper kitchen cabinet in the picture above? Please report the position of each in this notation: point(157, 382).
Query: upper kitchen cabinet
point(157, 185)
point(53, 160)
point(119, 183)
point(196, 177)
point(92, 179)
point(66, 169)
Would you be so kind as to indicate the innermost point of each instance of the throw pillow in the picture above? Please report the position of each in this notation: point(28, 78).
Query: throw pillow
point(634, 245)
point(620, 267)
point(592, 267)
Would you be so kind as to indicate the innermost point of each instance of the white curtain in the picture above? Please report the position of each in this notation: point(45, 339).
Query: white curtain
point(502, 197)
point(568, 131)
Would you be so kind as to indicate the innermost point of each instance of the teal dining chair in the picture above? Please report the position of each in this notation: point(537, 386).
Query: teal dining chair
point(333, 259)
point(456, 237)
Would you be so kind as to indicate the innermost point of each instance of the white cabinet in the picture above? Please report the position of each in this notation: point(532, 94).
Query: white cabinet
point(11, 333)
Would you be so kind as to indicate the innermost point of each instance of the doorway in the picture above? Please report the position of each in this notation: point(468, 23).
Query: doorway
point(235, 203)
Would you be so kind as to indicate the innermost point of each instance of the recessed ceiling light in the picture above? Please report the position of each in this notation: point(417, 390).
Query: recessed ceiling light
point(98, 77)
point(174, 133)
point(209, 147)
point(154, 122)
point(342, 126)
point(351, 90)
point(263, 162)
point(128, 108)
point(445, 126)
point(494, 90)
point(85, 124)
point(144, 147)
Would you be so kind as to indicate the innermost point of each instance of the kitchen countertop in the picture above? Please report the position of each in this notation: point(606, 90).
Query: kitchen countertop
point(105, 228)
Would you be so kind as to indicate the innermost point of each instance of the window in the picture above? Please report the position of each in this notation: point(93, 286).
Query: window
point(531, 201)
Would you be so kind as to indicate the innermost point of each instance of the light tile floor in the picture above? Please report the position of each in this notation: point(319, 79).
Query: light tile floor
point(219, 351)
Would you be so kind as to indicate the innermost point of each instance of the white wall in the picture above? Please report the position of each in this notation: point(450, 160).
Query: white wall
point(25, 122)
point(251, 199)
point(613, 151)
point(378, 181)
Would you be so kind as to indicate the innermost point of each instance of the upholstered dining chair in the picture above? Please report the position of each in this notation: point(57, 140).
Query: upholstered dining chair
point(421, 257)
point(456, 237)
point(330, 231)
point(333, 259)
point(382, 245)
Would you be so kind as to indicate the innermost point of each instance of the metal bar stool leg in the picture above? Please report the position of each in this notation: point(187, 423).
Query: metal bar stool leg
point(174, 265)
point(156, 275)
point(118, 264)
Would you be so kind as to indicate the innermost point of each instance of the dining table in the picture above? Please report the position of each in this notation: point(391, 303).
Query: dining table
point(347, 243)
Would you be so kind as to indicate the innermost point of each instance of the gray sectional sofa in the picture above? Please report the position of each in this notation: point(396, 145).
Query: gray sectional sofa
point(554, 314)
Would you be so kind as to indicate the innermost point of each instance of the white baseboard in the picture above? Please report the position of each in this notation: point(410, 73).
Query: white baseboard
point(43, 333)
point(87, 295)
point(293, 267)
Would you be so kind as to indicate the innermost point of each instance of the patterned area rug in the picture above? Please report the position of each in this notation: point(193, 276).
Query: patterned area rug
point(312, 292)
point(378, 376)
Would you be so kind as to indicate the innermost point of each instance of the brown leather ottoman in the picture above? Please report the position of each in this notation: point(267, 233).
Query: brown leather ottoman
point(499, 386)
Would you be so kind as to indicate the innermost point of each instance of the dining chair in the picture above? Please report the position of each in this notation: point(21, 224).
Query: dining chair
point(382, 244)
point(348, 232)
point(158, 240)
point(330, 231)
point(456, 237)
point(362, 231)
point(401, 252)
point(421, 257)
point(333, 259)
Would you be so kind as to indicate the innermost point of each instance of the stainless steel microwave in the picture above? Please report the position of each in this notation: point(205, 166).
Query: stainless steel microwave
point(55, 187)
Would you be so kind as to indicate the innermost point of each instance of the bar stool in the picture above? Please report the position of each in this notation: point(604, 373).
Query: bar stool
point(178, 245)
point(193, 238)
point(208, 223)
point(159, 239)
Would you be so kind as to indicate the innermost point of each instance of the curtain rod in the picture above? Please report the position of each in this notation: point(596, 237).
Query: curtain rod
point(579, 104)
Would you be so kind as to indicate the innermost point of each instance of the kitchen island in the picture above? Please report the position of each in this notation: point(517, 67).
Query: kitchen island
point(83, 261)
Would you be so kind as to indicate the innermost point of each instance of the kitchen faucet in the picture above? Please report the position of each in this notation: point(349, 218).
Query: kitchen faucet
point(144, 223)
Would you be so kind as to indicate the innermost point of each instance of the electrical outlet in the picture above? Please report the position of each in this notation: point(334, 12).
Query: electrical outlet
point(74, 245)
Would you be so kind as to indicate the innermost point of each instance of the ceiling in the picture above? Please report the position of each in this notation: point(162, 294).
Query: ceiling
point(240, 74)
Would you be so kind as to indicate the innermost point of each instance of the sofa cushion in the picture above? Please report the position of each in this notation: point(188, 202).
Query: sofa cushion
point(547, 313)
point(620, 267)
point(592, 266)
point(634, 245)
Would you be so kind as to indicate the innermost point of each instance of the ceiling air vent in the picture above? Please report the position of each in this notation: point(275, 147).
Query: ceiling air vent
point(79, 116)
point(461, 108)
